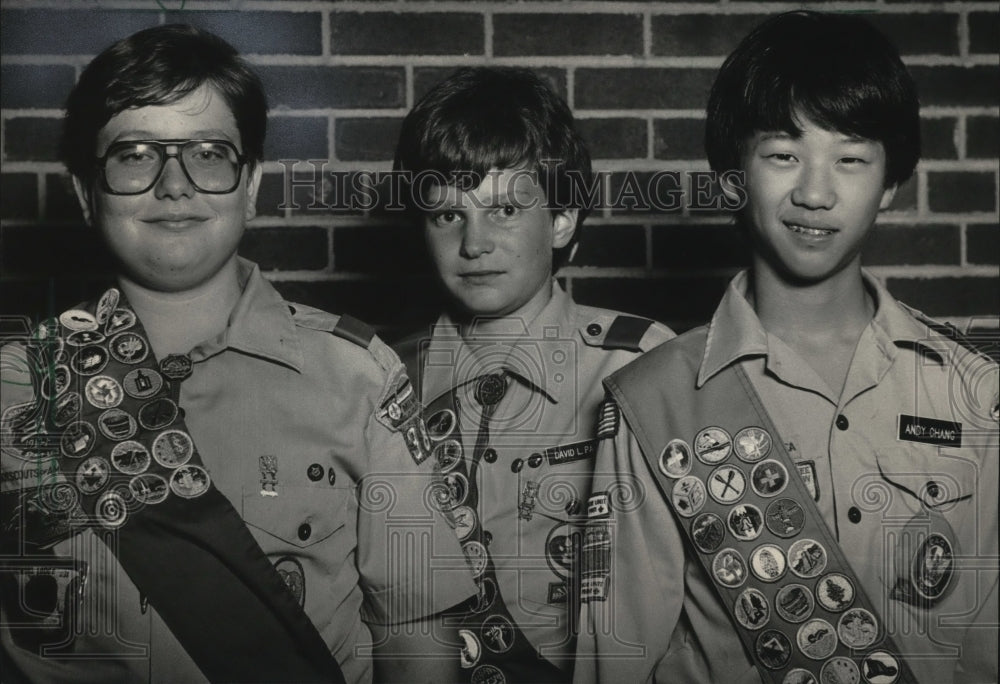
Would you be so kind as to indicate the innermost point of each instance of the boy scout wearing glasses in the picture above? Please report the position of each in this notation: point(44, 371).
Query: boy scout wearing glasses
point(805, 489)
point(193, 468)
point(510, 373)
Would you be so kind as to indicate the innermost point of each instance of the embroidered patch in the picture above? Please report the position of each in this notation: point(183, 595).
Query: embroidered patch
point(269, 475)
point(929, 431)
point(817, 639)
point(608, 419)
point(675, 459)
point(291, 572)
point(807, 471)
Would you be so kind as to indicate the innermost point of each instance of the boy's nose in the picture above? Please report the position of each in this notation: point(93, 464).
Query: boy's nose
point(173, 183)
point(814, 189)
point(476, 240)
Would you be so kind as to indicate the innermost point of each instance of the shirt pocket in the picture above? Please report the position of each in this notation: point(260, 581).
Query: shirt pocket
point(926, 477)
point(301, 516)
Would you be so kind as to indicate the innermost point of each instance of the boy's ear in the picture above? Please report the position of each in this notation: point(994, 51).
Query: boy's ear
point(887, 195)
point(83, 196)
point(253, 185)
point(563, 227)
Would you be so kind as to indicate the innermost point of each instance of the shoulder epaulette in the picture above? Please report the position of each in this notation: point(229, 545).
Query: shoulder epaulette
point(619, 331)
point(947, 330)
point(353, 330)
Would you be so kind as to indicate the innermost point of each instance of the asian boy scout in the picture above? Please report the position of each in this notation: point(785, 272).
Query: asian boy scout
point(510, 374)
point(832, 513)
point(200, 480)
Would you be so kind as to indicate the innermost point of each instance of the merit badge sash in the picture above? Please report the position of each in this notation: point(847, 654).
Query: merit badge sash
point(107, 433)
point(796, 603)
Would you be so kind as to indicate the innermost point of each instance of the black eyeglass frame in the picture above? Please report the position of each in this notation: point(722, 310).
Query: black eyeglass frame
point(180, 143)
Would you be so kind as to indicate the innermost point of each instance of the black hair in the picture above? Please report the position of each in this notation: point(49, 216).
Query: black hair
point(483, 118)
point(159, 66)
point(835, 69)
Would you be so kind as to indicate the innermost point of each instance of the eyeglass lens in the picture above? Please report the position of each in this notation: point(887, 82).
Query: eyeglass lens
point(133, 167)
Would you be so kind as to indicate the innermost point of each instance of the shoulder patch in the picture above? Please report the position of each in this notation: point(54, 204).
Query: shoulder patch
point(355, 331)
point(399, 410)
point(608, 419)
point(626, 332)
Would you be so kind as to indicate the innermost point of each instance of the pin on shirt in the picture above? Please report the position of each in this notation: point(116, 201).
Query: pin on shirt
point(268, 475)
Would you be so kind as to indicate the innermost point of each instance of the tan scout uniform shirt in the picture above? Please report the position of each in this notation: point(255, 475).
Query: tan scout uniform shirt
point(662, 620)
point(277, 384)
point(533, 495)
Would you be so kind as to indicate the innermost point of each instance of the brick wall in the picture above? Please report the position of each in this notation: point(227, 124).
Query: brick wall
point(341, 75)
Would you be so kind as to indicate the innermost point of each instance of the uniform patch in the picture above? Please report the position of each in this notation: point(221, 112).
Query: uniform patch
point(441, 424)
point(314, 472)
point(417, 441)
point(90, 360)
point(488, 674)
point(400, 407)
point(729, 568)
point(807, 471)
point(784, 517)
point(745, 522)
point(173, 448)
point(835, 592)
point(526, 504)
point(713, 445)
point(106, 305)
point(727, 484)
point(570, 453)
point(129, 347)
point(121, 319)
point(475, 554)
point(149, 488)
point(807, 558)
point(92, 475)
point(78, 439)
point(142, 383)
point(840, 670)
point(558, 593)
point(131, 458)
point(774, 649)
point(465, 521)
point(817, 639)
point(77, 319)
point(675, 459)
point(158, 413)
point(448, 454)
point(767, 562)
point(176, 367)
point(752, 444)
point(470, 652)
point(944, 433)
point(190, 481)
point(562, 549)
point(291, 572)
point(487, 594)
point(931, 570)
point(608, 419)
point(857, 628)
point(708, 531)
point(103, 392)
point(794, 603)
point(689, 495)
point(457, 488)
point(67, 409)
point(752, 611)
point(799, 676)
point(598, 505)
point(498, 634)
point(880, 667)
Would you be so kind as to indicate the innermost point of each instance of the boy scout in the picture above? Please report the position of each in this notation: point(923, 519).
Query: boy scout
point(510, 374)
point(192, 467)
point(832, 513)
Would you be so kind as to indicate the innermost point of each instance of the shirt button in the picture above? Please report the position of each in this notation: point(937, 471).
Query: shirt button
point(594, 329)
point(305, 529)
point(933, 489)
point(854, 515)
point(516, 465)
point(490, 455)
point(535, 460)
point(842, 423)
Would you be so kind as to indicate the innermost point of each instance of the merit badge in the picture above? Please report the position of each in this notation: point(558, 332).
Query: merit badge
point(774, 649)
point(840, 670)
point(727, 484)
point(769, 478)
point(746, 522)
point(67, 409)
point(498, 634)
point(176, 367)
point(291, 572)
point(598, 505)
point(441, 424)
point(77, 319)
point(130, 457)
point(526, 505)
point(55, 382)
point(688, 495)
point(857, 628)
point(807, 558)
point(558, 593)
point(469, 655)
point(90, 360)
point(173, 448)
point(807, 471)
point(794, 603)
point(106, 305)
point(475, 554)
point(78, 439)
point(835, 592)
point(149, 488)
point(880, 667)
point(817, 639)
point(608, 419)
point(708, 531)
point(487, 594)
point(111, 510)
point(129, 347)
point(751, 609)
point(457, 488)
point(488, 674)
point(268, 465)
point(448, 454)
point(121, 319)
point(92, 475)
point(562, 549)
point(117, 425)
point(713, 445)
point(189, 481)
point(932, 567)
point(675, 459)
point(784, 517)
point(729, 568)
point(314, 472)
point(157, 414)
point(103, 392)
point(465, 521)
point(84, 338)
point(490, 389)
point(417, 441)
point(799, 676)
point(767, 562)
point(752, 444)
point(142, 383)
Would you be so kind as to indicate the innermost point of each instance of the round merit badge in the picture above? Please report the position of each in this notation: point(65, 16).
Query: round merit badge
point(130, 457)
point(111, 509)
point(727, 484)
point(675, 459)
point(857, 628)
point(448, 454)
point(488, 674)
point(457, 487)
point(807, 558)
point(103, 392)
point(490, 389)
point(769, 478)
point(90, 360)
point(794, 603)
point(880, 667)
point(773, 649)
point(67, 409)
point(173, 448)
point(157, 414)
point(470, 652)
point(745, 522)
point(92, 475)
point(142, 383)
point(497, 634)
point(121, 319)
point(840, 670)
point(83, 338)
point(106, 304)
point(784, 517)
point(817, 639)
point(475, 554)
point(712, 445)
point(441, 424)
point(149, 488)
point(835, 592)
point(932, 567)
point(767, 562)
point(799, 676)
point(78, 439)
point(56, 381)
point(729, 568)
point(487, 594)
point(752, 444)
point(465, 521)
point(77, 319)
point(751, 609)
point(708, 531)
point(129, 347)
point(688, 495)
point(116, 424)
point(189, 481)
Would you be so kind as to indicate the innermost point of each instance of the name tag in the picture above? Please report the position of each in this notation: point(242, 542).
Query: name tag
point(567, 453)
point(929, 431)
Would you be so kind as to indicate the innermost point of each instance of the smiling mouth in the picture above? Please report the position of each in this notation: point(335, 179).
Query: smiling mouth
point(176, 222)
point(476, 277)
point(810, 230)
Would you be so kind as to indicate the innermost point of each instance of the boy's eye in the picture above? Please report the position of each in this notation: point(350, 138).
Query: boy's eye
point(506, 211)
point(781, 156)
point(445, 218)
point(853, 160)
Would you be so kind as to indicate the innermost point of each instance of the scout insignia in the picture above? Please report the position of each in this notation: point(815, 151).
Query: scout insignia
point(835, 592)
point(448, 454)
point(562, 549)
point(92, 475)
point(729, 568)
point(149, 488)
point(488, 674)
point(675, 459)
point(929, 570)
point(774, 649)
point(291, 572)
point(817, 639)
point(526, 506)
point(558, 593)
point(106, 305)
point(103, 392)
point(417, 440)
point(569, 453)
point(807, 558)
point(880, 667)
point(130, 457)
point(78, 439)
point(794, 603)
point(441, 424)
point(469, 655)
point(142, 382)
point(129, 347)
point(598, 506)
point(189, 481)
point(608, 419)
point(689, 495)
point(487, 594)
point(157, 414)
point(498, 634)
point(83, 338)
point(457, 488)
point(465, 521)
point(840, 669)
point(269, 475)
point(121, 319)
point(752, 611)
point(752, 444)
point(77, 319)
point(769, 478)
point(807, 471)
point(712, 445)
point(475, 554)
point(784, 518)
point(172, 448)
point(767, 562)
point(490, 389)
point(726, 484)
point(708, 531)
point(56, 382)
point(90, 360)
point(857, 628)
point(401, 406)
point(745, 522)
point(176, 367)
point(117, 425)
point(67, 409)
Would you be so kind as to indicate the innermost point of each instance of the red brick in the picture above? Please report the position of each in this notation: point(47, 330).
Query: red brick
point(567, 34)
point(679, 138)
point(425, 78)
point(20, 196)
point(906, 196)
point(31, 139)
point(693, 247)
point(296, 138)
point(982, 137)
point(397, 302)
point(961, 191)
point(646, 193)
point(61, 204)
point(35, 85)
point(69, 32)
point(287, 248)
point(372, 139)
point(969, 296)
point(282, 33)
point(614, 138)
point(643, 88)
point(614, 245)
point(311, 191)
point(321, 87)
point(919, 34)
point(937, 138)
point(406, 33)
point(982, 244)
point(384, 250)
point(984, 27)
point(956, 86)
point(894, 245)
point(701, 34)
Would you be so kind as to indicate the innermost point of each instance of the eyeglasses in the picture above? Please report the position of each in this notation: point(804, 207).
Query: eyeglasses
point(132, 167)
